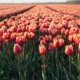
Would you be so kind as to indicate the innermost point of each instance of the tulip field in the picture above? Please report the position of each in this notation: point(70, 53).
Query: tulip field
point(39, 42)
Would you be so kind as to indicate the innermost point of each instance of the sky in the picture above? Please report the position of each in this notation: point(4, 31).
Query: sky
point(29, 1)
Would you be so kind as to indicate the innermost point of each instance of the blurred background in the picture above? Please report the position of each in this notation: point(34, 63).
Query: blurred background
point(40, 1)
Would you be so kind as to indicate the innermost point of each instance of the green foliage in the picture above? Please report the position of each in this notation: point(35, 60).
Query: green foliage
point(73, 2)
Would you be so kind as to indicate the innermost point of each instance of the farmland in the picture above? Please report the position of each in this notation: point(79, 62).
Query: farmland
point(39, 42)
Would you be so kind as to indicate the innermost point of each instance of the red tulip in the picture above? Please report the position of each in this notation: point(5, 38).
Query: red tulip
point(42, 49)
point(59, 26)
point(19, 29)
point(63, 31)
point(44, 30)
point(26, 34)
point(75, 39)
point(71, 31)
point(59, 37)
point(20, 40)
point(1, 23)
point(43, 42)
point(51, 46)
point(9, 31)
point(69, 50)
point(20, 34)
point(64, 23)
point(17, 49)
point(61, 42)
point(13, 36)
point(55, 32)
point(52, 25)
point(27, 23)
point(23, 29)
point(70, 38)
point(48, 38)
point(6, 35)
point(4, 28)
point(13, 28)
point(67, 32)
point(1, 33)
point(32, 29)
point(41, 38)
point(31, 35)
point(56, 43)
point(52, 32)
point(45, 25)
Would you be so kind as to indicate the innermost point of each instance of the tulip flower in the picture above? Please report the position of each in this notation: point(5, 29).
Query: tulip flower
point(56, 43)
point(13, 36)
point(61, 42)
point(6, 35)
point(42, 49)
point(43, 42)
point(20, 40)
point(48, 38)
point(69, 50)
point(31, 35)
point(51, 46)
point(17, 49)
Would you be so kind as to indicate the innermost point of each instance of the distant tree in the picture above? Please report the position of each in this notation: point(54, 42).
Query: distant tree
point(73, 1)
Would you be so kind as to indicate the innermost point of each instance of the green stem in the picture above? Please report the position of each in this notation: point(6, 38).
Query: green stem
point(24, 58)
point(3, 47)
point(79, 62)
point(44, 74)
point(52, 60)
point(33, 45)
point(70, 66)
point(25, 75)
point(52, 64)
point(8, 49)
point(57, 64)
point(20, 65)
point(44, 70)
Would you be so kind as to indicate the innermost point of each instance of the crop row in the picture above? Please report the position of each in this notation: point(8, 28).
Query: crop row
point(9, 10)
point(40, 44)
point(67, 9)
point(8, 6)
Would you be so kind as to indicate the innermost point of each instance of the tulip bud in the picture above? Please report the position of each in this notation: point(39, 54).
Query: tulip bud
point(13, 36)
point(1, 33)
point(63, 31)
point(44, 30)
point(61, 42)
point(13, 28)
point(17, 49)
point(48, 38)
point(51, 46)
point(70, 38)
point(43, 42)
point(67, 32)
point(41, 38)
point(56, 43)
point(26, 34)
point(31, 35)
point(42, 49)
point(6, 36)
point(20, 40)
point(68, 50)
point(75, 39)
